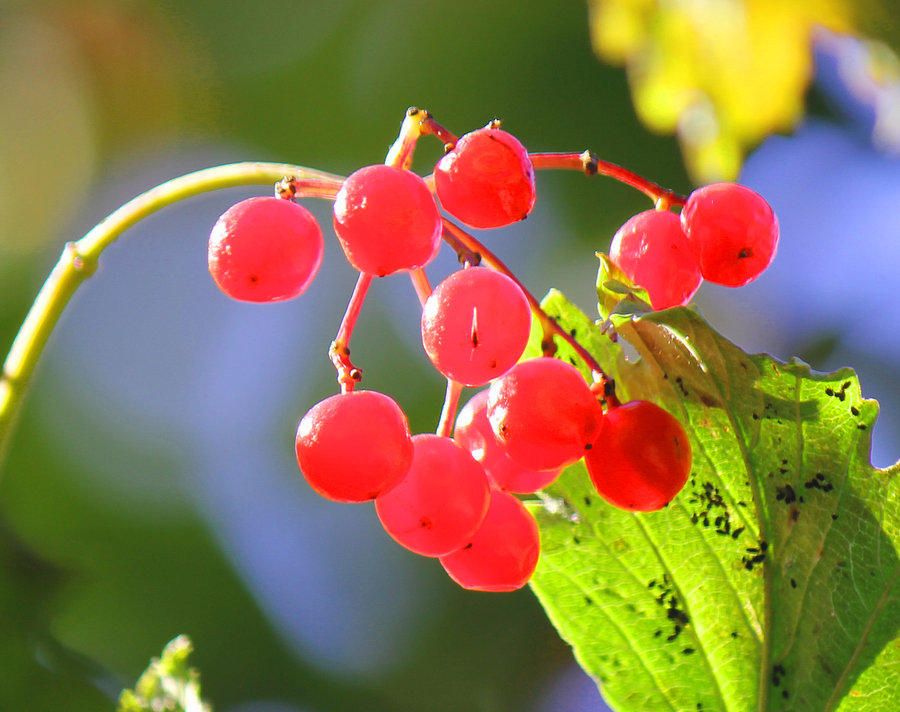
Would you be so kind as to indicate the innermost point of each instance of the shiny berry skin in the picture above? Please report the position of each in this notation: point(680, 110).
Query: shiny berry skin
point(642, 457)
point(354, 446)
point(265, 249)
point(487, 180)
point(473, 431)
point(733, 232)
point(386, 220)
point(440, 503)
point(653, 251)
point(543, 413)
point(503, 553)
point(475, 325)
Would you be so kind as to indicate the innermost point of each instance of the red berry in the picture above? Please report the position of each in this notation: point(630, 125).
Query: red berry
point(503, 553)
point(265, 249)
point(353, 446)
point(440, 503)
point(642, 457)
point(487, 180)
point(473, 431)
point(653, 252)
point(475, 325)
point(386, 220)
point(732, 230)
point(544, 413)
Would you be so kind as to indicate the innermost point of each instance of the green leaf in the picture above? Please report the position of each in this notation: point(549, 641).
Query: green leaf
point(770, 582)
point(618, 294)
point(167, 684)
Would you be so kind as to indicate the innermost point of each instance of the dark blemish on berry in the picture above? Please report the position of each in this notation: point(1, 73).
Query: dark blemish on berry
point(688, 651)
point(854, 410)
point(588, 446)
point(427, 523)
point(503, 429)
point(745, 253)
point(793, 583)
point(253, 279)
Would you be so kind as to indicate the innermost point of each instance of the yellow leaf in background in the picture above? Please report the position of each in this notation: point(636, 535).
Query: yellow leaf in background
point(722, 74)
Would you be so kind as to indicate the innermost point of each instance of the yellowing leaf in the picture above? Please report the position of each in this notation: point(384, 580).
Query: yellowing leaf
point(721, 75)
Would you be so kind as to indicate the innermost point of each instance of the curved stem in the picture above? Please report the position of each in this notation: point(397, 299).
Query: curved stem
point(79, 261)
point(589, 163)
point(548, 325)
point(339, 351)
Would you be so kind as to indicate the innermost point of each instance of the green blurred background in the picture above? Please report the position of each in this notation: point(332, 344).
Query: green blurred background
point(151, 489)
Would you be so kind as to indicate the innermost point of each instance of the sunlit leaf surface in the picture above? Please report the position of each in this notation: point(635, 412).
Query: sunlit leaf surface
point(770, 582)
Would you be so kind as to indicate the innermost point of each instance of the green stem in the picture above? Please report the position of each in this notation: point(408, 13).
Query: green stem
point(79, 261)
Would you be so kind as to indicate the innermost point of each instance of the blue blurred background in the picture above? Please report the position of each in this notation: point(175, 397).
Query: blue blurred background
point(152, 488)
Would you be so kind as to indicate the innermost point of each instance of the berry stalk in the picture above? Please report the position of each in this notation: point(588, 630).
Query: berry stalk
point(339, 352)
point(591, 165)
point(79, 261)
point(549, 327)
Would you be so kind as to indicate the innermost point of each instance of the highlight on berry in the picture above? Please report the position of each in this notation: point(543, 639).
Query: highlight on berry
point(459, 494)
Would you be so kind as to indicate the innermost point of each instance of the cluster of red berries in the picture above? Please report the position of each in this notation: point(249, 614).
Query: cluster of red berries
point(727, 234)
point(451, 495)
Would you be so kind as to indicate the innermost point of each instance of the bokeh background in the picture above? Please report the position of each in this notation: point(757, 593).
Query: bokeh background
point(151, 489)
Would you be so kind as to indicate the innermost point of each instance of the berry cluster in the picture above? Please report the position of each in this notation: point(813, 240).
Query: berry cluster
point(727, 234)
point(451, 495)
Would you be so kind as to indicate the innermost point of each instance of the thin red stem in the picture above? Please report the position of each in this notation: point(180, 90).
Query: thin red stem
point(589, 163)
point(548, 325)
point(339, 352)
point(421, 284)
point(448, 411)
point(291, 188)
